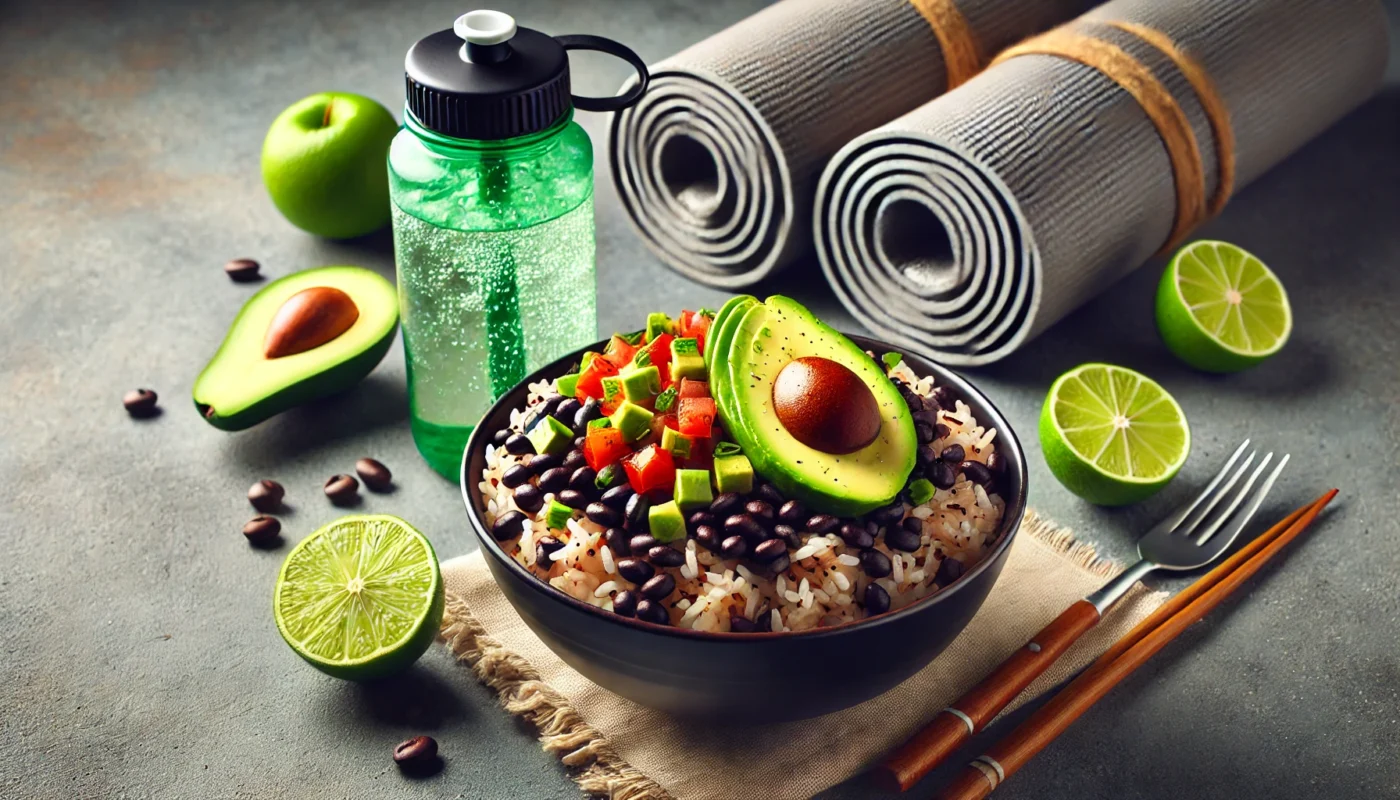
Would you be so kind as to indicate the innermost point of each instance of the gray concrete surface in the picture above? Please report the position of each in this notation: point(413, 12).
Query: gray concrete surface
point(137, 653)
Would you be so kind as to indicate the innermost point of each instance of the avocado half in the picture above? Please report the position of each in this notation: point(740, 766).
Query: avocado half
point(751, 343)
point(241, 386)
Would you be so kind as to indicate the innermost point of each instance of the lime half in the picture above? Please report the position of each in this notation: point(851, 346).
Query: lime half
point(360, 598)
point(1220, 309)
point(1112, 435)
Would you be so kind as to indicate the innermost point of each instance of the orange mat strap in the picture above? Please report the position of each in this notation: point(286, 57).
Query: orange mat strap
point(962, 58)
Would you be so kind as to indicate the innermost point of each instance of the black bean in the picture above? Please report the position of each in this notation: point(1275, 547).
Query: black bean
point(342, 490)
point(618, 542)
point(517, 475)
point(553, 480)
point(726, 504)
point(499, 437)
point(949, 570)
point(928, 416)
point(418, 753)
point(943, 475)
point(508, 525)
point(941, 431)
point(764, 623)
point(518, 444)
point(778, 565)
point(641, 543)
point(924, 456)
point(601, 514)
point(573, 498)
point(140, 403)
point(544, 547)
point(664, 555)
point(579, 440)
point(923, 432)
point(903, 539)
point(913, 399)
point(242, 270)
point(877, 600)
point(734, 547)
point(953, 454)
point(529, 498)
point(583, 479)
point(262, 530)
point(625, 603)
point(996, 464)
point(652, 611)
point(875, 563)
point(976, 472)
point(944, 397)
point(659, 587)
point(548, 403)
point(635, 570)
point(695, 520)
point(708, 537)
point(565, 411)
point(375, 475)
point(743, 525)
point(543, 462)
point(761, 511)
point(789, 535)
point(856, 536)
point(872, 527)
point(823, 523)
point(913, 525)
point(586, 413)
point(616, 498)
point(635, 514)
point(769, 550)
point(888, 515)
point(573, 460)
point(266, 496)
point(770, 493)
point(741, 625)
point(792, 512)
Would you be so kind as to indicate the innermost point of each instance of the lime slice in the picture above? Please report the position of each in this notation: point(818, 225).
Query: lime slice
point(1220, 309)
point(1112, 435)
point(360, 598)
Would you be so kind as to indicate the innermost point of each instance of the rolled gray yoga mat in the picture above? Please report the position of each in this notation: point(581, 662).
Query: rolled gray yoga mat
point(976, 221)
point(718, 164)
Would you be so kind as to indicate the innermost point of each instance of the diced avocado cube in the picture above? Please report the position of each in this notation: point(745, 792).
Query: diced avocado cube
point(551, 436)
point(567, 385)
point(557, 515)
point(693, 489)
point(733, 474)
point(586, 360)
point(609, 476)
point(612, 389)
point(657, 324)
point(920, 491)
point(677, 444)
point(686, 361)
point(667, 523)
point(633, 420)
point(601, 422)
point(640, 384)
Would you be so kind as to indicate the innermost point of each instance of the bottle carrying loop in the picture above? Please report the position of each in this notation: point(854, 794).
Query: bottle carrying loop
point(584, 41)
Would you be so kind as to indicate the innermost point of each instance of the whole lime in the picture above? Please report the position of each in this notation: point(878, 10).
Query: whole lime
point(323, 163)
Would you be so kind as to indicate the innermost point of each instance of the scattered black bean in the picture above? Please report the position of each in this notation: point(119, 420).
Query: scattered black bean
point(574, 459)
point(856, 536)
point(872, 527)
point(418, 753)
point(542, 462)
point(942, 431)
point(953, 454)
point(664, 555)
point(618, 542)
point(949, 570)
point(635, 570)
point(888, 515)
point(944, 397)
point(789, 535)
point(140, 403)
point(499, 437)
point(548, 403)
point(708, 537)
point(342, 490)
point(529, 498)
point(635, 514)
point(761, 511)
point(823, 523)
point(544, 547)
point(601, 514)
point(976, 472)
point(583, 480)
point(875, 563)
point(764, 623)
point(517, 475)
point(518, 444)
point(641, 543)
point(924, 432)
point(553, 480)
point(928, 416)
point(913, 525)
point(943, 475)
point(911, 397)
point(262, 529)
point(792, 512)
point(877, 600)
point(734, 547)
point(652, 611)
point(659, 587)
point(996, 464)
point(616, 498)
point(726, 504)
point(375, 475)
point(743, 525)
point(742, 625)
point(573, 498)
point(242, 270)
point(625, 603)
point(770, 493)
point(266, 496)
point(579, 440)
point(698, 518)
point(586, 413)
point(769, 550)
point(924, 456)
point(508, 526)
point(902, 538)
point(566, 410)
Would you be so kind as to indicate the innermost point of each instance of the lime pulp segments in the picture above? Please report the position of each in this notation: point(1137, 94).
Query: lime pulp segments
point(360, 598)
point(1111, 435)
point(1220, 309)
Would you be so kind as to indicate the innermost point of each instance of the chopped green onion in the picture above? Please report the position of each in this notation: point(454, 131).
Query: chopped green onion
point(727, 449)
point(634, 338)
point(920, 491)
point(666, 400)
point(642, 358)
point(891, 360)
point(609, 476)
point(706, 312)
point(557, 516)
point(601, 422)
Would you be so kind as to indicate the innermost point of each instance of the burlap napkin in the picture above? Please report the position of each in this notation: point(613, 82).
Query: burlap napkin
point(629, 752)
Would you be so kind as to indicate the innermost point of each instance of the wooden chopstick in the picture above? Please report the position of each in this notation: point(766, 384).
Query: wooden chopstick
point(1007, 756)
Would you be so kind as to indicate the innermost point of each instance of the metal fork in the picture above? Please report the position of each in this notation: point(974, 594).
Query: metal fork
point(1191, 537)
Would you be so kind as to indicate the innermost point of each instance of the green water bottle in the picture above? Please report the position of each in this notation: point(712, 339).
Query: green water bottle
point(492, 187)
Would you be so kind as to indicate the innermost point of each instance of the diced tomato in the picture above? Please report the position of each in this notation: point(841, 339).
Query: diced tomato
point(619, 352)
point(604, 446)
point(590, 381)
point(652, 468)
point(699, 330)
point(660, 351)
point(687, 318)
point(696, 416)
point(693, 388)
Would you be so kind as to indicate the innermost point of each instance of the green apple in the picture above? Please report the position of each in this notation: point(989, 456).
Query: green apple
point(323, 162)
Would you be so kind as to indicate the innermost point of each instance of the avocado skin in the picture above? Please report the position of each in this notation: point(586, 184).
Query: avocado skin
point(335, 380)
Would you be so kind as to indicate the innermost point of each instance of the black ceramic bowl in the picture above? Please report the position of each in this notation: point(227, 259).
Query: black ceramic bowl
point(751, 676)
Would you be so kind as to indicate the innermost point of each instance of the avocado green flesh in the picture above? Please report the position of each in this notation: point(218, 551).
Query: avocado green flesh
point(766, 338)
point(241, 387)
point(717, 348)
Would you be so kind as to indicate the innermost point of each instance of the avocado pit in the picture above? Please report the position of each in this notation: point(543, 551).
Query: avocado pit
point(309, 319)
point(825, 405)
